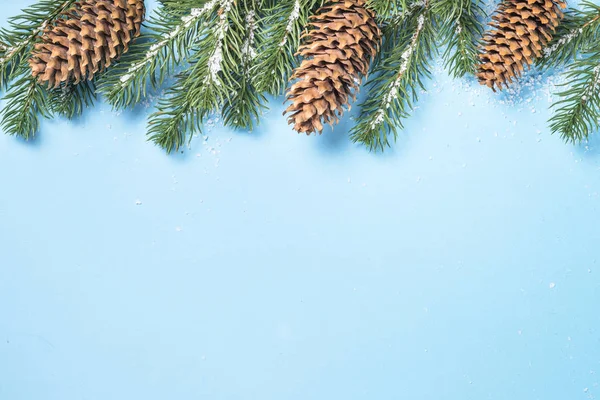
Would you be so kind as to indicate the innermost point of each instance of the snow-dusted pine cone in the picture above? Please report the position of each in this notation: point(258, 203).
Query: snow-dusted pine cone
point(86, 39)
point(520, 31)
point(343, 40)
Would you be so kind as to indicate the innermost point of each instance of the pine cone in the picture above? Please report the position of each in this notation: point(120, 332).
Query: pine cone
point(86, 39)
point(337, 54)
point(521, 30)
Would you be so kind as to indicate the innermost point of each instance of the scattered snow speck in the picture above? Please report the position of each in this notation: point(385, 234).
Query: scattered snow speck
point(552, 285)
point(138, 202)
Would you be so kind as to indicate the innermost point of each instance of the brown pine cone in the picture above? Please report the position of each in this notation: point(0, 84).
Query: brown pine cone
point(521, 29)
point(343, 40)
point(85, 40)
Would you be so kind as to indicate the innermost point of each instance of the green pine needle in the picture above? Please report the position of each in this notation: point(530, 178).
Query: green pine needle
point(210, 81)
point(169, 127)
point(577, 113)
point(70, 100)
point(578, 32)
point(173, 36)
point(460, 29)
point(396, 79)
point(388, 8)
point(242, 110)
point(25, 102)
point(283, 27)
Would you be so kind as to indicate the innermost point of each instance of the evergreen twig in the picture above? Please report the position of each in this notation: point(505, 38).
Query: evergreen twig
point(387, 8)
point(208, 83)
point(174, 32)
point(396, 78)
point(70, 100)
point(460, 30)
point(25, 102)
point(578, 32)
point(282, 29)
point(169, 126)
point(577, 113)
point(242, 109)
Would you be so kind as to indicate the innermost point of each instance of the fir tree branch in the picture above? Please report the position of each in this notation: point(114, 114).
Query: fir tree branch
point(396, 79)
point(26, 101)
point(169, 126)
point(578, 32)
point(387, 8)
point(179, 5)
point(461, 28)
point(282, 31)
point(22, 32)
point(70, 100)
point(207, 84)
point(243, 108)
point(174, 30)
point(578, 111)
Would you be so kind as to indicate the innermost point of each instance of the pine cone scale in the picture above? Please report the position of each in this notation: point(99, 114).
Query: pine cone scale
point(343, 39)
point(521, 29)
point(86, 39)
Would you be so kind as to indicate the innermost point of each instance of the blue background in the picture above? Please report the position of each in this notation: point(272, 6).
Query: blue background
point(461, 264)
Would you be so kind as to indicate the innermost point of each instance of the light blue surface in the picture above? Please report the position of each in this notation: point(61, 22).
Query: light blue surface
point(463, 264)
